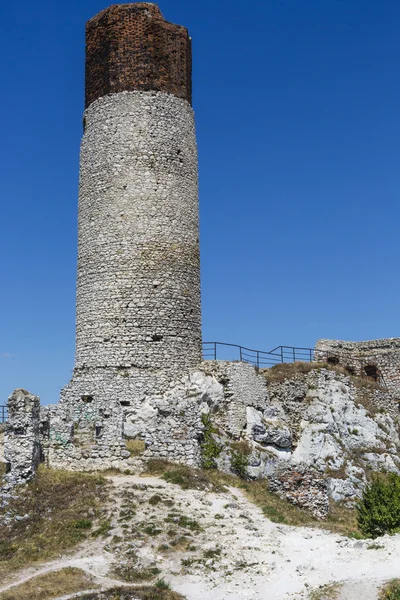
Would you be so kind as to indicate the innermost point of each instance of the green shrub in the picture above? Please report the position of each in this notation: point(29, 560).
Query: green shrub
point(378, 512)
point(210, 449)
point(239, 464)
point(240, 452)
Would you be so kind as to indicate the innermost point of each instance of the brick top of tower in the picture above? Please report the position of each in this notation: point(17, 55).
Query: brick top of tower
point(131, 47)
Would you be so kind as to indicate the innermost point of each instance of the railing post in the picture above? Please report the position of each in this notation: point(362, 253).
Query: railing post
point(215, 350)
point(282, 357)
point(240, 353)
point(258, 359)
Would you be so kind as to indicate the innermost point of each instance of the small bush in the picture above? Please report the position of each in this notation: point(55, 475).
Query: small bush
point(239, 462)
point(378, 512)
point(156, 499)
point(162, 585)
point(210, 449)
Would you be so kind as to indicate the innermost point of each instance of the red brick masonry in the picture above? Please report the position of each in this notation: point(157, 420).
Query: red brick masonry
point(131, 47)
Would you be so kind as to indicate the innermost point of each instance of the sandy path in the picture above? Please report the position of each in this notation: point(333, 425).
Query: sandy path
point(259, 560)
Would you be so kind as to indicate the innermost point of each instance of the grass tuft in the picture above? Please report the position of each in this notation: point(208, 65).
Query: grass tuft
point(326, 592)
point(391, 591)
point(135, 447)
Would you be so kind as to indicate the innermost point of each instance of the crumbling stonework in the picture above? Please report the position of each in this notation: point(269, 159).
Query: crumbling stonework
point(242, 387)
point(84, 436)
point(377, 359)
point(21, 439)
point(303, 486)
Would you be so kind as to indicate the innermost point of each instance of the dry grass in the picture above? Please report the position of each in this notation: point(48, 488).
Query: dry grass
point(343, 521)
point(61, 509)
point(135, 447)
point(51, 585)
point(127, 593)
point(278, 373)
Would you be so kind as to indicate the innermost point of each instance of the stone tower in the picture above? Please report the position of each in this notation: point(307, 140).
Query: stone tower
point(138, 319)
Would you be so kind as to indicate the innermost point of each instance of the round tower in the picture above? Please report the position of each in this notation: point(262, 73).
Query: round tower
point(138, 320)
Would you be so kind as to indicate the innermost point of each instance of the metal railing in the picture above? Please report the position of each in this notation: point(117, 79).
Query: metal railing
point(261, 358)
point(3, 414)
point(279, 355)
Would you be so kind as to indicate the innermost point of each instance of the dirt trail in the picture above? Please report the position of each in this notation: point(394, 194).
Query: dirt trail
point(230, 550)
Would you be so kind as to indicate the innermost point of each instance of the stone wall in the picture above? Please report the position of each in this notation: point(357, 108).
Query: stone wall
point(84, 436)
point(363, 358)
point(21, 439)
point(241, 386)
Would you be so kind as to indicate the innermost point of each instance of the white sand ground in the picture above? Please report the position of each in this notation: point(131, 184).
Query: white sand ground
point(259, 560)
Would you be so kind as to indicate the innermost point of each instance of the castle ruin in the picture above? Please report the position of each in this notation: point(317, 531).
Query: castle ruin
point(138, 372)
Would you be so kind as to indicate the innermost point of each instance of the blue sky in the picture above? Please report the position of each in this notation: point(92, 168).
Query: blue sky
point(297, 109)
